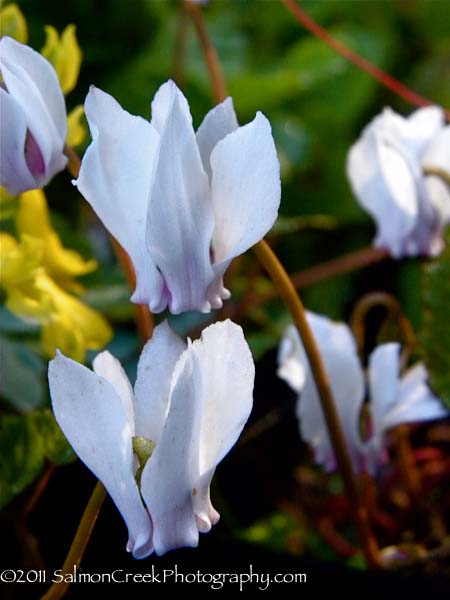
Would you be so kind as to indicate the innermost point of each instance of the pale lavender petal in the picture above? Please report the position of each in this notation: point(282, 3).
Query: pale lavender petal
point(290, 368)
point(339, 354)
point(227, 376)
point(384, 184)
point(152, 388)
point(169, 476)
point(96, 424)
point(180, 219)
point(115, 178)
point(218, 123)
point(416, 402)
point(15, 174)
point(32, 82)
point(107, 366)
point(246, 193)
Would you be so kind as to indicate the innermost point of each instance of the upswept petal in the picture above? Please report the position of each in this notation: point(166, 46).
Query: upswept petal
point(227, 372)
point(115, 178)
point(162, 105)
point(152, 388)
point(180, 220)
point(92, 417)
point(107, 366)
point(422, 126)
point(170, 474)
point(416, 402)
point(245, 188)
point(437, 156)
point(290, 366)
point(15, 174)
point(384, 185)
point(338, 351)
point(383, 377)
point(218, 123)
point(33, 83)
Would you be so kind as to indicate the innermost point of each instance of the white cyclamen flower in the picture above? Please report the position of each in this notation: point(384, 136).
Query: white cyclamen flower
point(190, 401)
point(33, 119)
point(393, 399)
point(183, 205)
point(387, 171)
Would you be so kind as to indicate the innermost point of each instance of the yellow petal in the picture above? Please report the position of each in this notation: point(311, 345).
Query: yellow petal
point(19, 262)
point(92, 330)
point(33, 219)
point(13, 24)
point(76, 132)
point(65, 55)
point(59, 334)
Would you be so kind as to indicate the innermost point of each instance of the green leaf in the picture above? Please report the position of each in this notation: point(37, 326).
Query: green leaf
point(21, 384)
point(435, 332)
point(26, 442)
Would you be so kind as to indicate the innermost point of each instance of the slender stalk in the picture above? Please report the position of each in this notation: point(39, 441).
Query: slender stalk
point(290, 296)
point(144, 317)
point(209, 52)
point(179, 55)
point(384, 78)
point(80, 541)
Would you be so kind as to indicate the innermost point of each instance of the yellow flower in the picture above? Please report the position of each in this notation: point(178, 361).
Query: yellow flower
point(13, 24)
point(61, 264)
point(72, 326)
point(67, 323)
point(77, 132)
point(65, 55)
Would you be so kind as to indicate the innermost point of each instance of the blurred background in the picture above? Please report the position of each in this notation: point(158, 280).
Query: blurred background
point(277, 507)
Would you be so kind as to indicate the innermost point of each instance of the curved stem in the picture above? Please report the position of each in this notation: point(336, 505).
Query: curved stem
point(290, 296)
point(384, 78)
point(144, 317)
point(437, 172)
point(80, 541)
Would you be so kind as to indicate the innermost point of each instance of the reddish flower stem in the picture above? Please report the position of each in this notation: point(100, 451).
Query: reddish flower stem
point(384, 78)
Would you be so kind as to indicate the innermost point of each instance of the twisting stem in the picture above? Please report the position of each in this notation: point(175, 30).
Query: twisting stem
point(144, 317)
point(212, 62)
point(384, 78)
point(73, 559)
point(290, 296)
point(437, 172)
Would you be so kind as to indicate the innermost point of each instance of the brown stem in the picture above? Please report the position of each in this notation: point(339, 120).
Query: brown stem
point(179, 55)
point(144, 317)
point(293, 302)
point(80, 541)
point(384, 78)
point(209, 52)
point(39, 489)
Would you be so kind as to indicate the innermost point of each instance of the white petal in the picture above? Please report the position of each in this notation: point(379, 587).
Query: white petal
point(415, 402)
point(33, 83)
point(107, 366)
point(162, 104)
point(437, 154)
point(383, 183)
point(422, 126)
point(227, 377)
point(156, 365)
point(439, 194)
point(339, 354)
point(290, 368)
point(383, 376)
point(180, 219)
point(92, 417)
point(245, 188)
point(168, 477)
point(218, 123)
point(15, 175)
point(115, 178)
